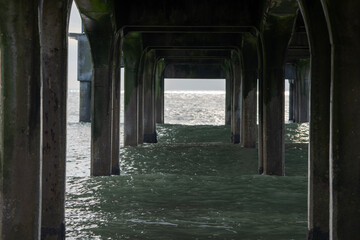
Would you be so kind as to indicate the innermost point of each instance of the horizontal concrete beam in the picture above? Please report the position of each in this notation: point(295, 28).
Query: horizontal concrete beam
point(190, 13)
point(210, 71)
point(188, 29)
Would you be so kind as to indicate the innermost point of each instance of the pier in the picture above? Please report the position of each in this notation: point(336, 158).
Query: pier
point(254, 44)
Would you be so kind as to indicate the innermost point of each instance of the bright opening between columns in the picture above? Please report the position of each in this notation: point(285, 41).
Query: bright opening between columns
point(194, 101)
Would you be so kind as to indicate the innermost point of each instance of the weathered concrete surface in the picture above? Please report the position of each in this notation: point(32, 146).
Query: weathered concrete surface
point(85, 101)
point(249, 92)
point(190, 13)
point(159, 90)
point(84, 77)
point(344, 27)
point(261, 106)
point(197, 40)
point(54, 51)
point(140, 99)
point(228, 94)
point(98, 19)
point(236, 97)
point(149, 135)
point(132, 52)
point(116, 93)
point(302, 91)
point(208, 71)
point(291, 99)
point(20, 114)
point(276, 36)
point(320, 61)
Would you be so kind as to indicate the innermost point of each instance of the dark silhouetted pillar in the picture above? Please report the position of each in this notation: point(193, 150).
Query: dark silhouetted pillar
point(132, 50)
point(343, 20)
point(84, 77)
point(54, 51)
point(159, 91)
point(20, 120)
point(249, 92)
point(236, 98)
point(115, 124)
point(318, 173)
point(276, 37)
point(149, 98)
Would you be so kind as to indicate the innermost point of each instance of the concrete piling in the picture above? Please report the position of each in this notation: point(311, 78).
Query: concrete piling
point(261, 106)
point(228, 97)
point(274, 48)
point(115, 122)
point(132, 51)
point(149, 98)
point(343, 24)
point(84, 77)
point(159, 91)
point(20, 116)
point(302, 91)
point(249, 92)
point(54, 24)
point(318, 175)
point(100, 33)
point(236, 98)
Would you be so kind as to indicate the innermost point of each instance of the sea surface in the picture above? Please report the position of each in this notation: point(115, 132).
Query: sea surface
point(192, 184)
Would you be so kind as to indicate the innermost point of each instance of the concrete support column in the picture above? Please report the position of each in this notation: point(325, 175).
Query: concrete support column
point(303, 90)
point(132, 51)
point(291, 100)
point(20, 115)
point(54, 22)
point(85, 101)
point(116, 88)
point(236, 98)
point(99, 27)
point(84, 77)
point(275, 46)
point(261, 106)
point(318, 172)
point(228, 97)
point(343, 23)
point(140, 102)
point(159, 91)
point(101, 121)
point(249, 105)
point(149, 98)
point(249, 92)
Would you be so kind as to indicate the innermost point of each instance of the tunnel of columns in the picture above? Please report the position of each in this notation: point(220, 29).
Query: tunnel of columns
point(253, 44)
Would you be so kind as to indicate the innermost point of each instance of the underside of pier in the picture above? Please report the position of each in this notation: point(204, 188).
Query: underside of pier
point(254, 44)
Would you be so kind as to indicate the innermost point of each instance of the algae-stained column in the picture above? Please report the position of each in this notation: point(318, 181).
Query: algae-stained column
point(149, 97)
point(318, 172)
point(54, 28)
point(236, 97)
point(343, 20)
point(115, 123)
point(291, 100)
point(249, 89)
point(132, 52)
point(303, 89)
point(140, 100)
point(159, 91)
point(276, 36)
point(84, 77)
point(261, 106)
point(97, 17)
point(228, 94)
point(20, 120)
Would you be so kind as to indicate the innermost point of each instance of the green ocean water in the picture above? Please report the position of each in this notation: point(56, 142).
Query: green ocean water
point(193, 184)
